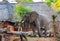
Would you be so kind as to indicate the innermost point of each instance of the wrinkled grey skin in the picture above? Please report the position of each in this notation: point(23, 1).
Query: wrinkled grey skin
point(35, 21)
point(42, 22)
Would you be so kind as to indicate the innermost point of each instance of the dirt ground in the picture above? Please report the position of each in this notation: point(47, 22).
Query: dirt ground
point(32, 39)
point(41, 39)
point(38, 39)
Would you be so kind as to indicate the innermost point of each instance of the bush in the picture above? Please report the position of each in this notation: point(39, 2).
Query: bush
point(20, 10)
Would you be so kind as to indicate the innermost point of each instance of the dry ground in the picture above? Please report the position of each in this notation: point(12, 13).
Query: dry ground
point(32, 39)
point(41, 39)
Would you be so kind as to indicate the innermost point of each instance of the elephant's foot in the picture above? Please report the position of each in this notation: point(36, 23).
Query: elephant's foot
point(39, 35)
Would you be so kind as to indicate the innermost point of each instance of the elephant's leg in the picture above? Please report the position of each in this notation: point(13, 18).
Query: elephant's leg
point(33, 28)
point(38, 27)
point(46, 28)
point(39, 34)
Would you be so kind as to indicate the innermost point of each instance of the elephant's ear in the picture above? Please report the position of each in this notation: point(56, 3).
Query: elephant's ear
point(33, 16)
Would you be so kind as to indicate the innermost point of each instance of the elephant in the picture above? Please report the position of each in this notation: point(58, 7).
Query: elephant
point(35, 21)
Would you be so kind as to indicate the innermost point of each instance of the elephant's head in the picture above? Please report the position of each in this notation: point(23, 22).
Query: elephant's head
point(30, 16)
point(33, 16)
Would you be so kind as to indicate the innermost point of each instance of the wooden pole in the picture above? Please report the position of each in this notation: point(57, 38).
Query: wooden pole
point(54, 26)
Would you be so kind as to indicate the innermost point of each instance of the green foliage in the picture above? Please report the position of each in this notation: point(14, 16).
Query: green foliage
point(20, 10)
point(21, 1)
point(27, 1)
point(54, 4)
point(50, 2)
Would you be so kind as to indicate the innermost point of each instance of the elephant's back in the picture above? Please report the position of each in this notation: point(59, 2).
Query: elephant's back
point(44, 17)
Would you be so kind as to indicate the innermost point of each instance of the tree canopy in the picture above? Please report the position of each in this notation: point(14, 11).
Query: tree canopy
point(20, 10)
point(54, 4)
point(50, 2)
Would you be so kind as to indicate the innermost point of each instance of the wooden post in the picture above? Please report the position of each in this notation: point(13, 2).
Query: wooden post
point(54, 26)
